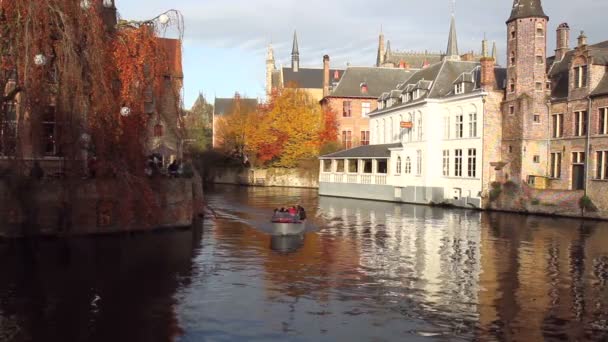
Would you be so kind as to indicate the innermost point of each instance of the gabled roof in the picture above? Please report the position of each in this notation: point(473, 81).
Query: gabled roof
point(224, 106)
point(309, 78)
point(378, 81)
point(413, 59)
point(559, 72)
point(368, 151)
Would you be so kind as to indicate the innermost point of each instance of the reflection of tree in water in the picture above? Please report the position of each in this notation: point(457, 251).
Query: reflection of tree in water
point(104, 289)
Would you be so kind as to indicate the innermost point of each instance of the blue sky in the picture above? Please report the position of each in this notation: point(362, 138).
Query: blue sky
point(225, 41)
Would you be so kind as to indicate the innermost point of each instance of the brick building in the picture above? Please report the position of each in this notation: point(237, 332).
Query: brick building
point(355, 96)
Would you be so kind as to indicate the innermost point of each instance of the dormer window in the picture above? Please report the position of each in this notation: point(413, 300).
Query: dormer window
point(336, 75)
point(459, 88)
point(416, 94)
point(580, 76)
point(364, 88)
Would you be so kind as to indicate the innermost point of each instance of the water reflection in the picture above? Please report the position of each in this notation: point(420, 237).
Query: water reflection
point(364, 271)
point(106, 289)
point(286, 243)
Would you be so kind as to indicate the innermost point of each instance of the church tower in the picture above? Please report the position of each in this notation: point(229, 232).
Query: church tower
point(381, 51)
point(270, 68)
point(295, 54)
point(452, 50)
point(525, 112)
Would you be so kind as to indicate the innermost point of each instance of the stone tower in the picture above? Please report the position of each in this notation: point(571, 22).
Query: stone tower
point(381, 51)
point(295, 53)
point(525, 112)
point(270, 68)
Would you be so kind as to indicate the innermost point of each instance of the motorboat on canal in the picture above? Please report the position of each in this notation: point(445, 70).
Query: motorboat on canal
point(287, 224)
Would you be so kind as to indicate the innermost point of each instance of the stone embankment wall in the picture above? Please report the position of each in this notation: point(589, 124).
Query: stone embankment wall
point(85, 207)
point(295, 178)
point(524, 199)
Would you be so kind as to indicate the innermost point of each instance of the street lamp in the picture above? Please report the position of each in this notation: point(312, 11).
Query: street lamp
point(164, 19)
point(85, 4)
point(39, 60)
point(108, 3)
point(125, 111)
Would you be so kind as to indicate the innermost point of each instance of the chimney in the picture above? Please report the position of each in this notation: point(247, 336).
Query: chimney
point(582, 40)
point(325, 75)
point(468, 57)
point(563, 41)
point(488, 77)
point(425, 64)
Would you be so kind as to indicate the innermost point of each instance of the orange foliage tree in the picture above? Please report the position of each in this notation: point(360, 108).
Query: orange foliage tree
point(289, 128)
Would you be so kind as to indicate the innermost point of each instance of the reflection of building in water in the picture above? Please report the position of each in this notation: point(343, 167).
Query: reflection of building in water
point(412, 247)
point(539, 280)
point(103, 289)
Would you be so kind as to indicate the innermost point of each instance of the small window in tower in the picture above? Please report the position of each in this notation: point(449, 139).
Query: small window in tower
point(536, 159)
point(512, 86)
point(539, 86)
point(510, 149)
point(511, 110)
point(540, 32)
point(512, 34)
point(536, 118)
point(540, 60)
point(512, 58)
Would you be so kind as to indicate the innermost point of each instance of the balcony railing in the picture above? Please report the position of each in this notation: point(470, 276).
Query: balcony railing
point(368, 179)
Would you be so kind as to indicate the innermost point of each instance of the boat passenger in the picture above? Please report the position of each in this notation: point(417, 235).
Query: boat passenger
point(292, 211)
point(301, 212)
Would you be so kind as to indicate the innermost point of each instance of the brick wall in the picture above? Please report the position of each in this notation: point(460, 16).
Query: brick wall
point(356, 122)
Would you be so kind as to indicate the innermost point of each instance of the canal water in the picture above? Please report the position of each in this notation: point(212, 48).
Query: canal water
point(363, 271)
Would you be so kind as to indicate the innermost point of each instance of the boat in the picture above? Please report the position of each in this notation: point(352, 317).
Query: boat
point(287, 225)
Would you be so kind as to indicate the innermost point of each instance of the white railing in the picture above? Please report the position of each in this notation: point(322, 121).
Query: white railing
point(380, 180)
point(353, 178)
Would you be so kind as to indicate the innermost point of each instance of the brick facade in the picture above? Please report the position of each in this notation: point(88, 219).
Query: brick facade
point(356, 122)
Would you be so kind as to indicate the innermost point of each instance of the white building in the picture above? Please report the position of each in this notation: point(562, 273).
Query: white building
point(434, 138)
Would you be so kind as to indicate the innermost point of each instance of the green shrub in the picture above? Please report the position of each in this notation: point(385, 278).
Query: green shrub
point(495, 185)
point(494, 194)
point(510, 187)
point(535, 201)
point(586, 204)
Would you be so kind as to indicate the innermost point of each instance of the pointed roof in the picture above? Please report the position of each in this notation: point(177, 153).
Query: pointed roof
point(295, 50)
point(452, 39)
point(389, 52)
point(527, 9)
point(494, 51)
point(380, 57)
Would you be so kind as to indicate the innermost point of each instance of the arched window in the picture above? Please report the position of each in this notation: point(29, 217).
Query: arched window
point(158, 130)
point(512, 86)
point(540, 30)
point(512, 59)
point(408, 166)
point(384, 131)
point(390, 136)
point(419, 129)
point(398, 166)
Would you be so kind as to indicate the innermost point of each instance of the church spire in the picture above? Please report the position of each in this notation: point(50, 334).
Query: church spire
point(452, 51)
point(381, 51)
point(527, 9)
point(389, 52)
point(494, 52)
point(295, 53)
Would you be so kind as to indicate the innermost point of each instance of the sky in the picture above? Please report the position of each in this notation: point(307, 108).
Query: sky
point(225, 41)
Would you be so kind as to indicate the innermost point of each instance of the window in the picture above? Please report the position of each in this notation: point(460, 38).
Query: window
point(419, 162)
point(536, 118)
point(364, 138)
point(602, 165)
point(580, 123)
point(459, 88)
point(511, 110)
point(408, 166)
point(398, 166)
point(536, 159)
point(340, 166)
point(367, 165)
point(558, 125)
point(513, 34)
point(419, 129)
point(158, 130)
point(512, 58)
point(8, 130)
point(578, 157)
point(49, 132)
point(353, 166)
point(382, 166)
point(540, 60)
point(473, 125)
point(512, 86)
point(603, 127)
point(556, 165)
point(539, 86)
point(510, 149)
point(347, 139)
point(327, 165)
point(580, 76)
point(540, 32)
point(346, 111)
point(472, 166)
point(458, 163)
point(446, 127)
point(459, 126)
point(416, 94)
point(365, 109)
point(446, 163)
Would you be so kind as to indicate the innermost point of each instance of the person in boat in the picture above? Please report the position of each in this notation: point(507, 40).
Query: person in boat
point(301, 212)
point(292, 211)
